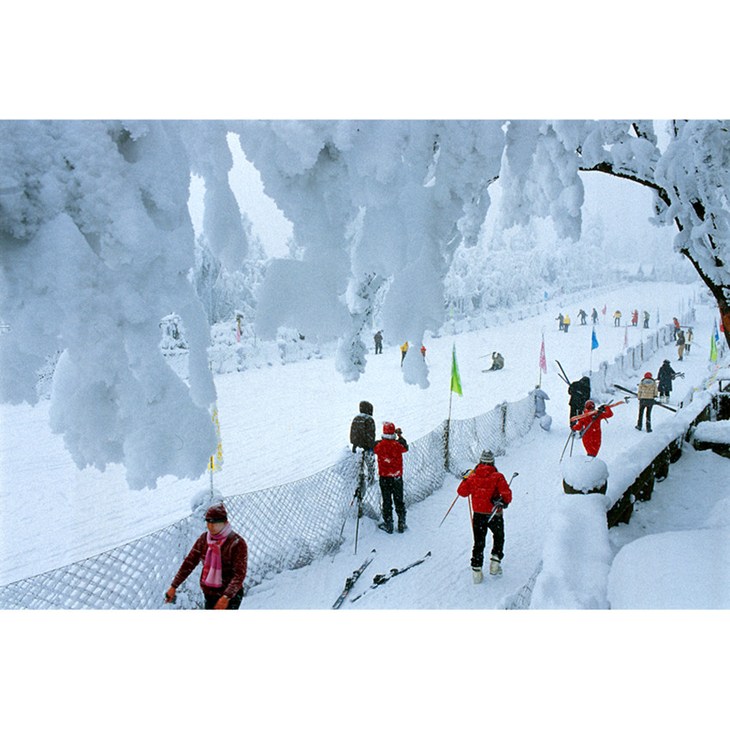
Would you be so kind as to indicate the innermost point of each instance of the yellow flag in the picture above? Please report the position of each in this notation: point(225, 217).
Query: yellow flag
point(216, 460)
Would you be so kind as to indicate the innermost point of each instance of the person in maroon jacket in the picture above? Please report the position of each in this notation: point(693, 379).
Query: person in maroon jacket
point(490, 494)
point(389, 451)
point(224, 555)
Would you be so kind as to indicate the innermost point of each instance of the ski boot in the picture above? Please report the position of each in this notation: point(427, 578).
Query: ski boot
point(402, 527)
point(386, 527)
point(638, 428)
point(476, 575)
point(494, 566)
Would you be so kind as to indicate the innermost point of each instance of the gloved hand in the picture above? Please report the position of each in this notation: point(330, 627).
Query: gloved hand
point(601, 409)
point(499, 502)
point(221, 604)
point(170, 595)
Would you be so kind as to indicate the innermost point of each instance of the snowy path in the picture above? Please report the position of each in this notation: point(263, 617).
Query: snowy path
point(283, 422)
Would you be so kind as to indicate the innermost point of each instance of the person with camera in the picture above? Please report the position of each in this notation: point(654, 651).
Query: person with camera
point(389, 452)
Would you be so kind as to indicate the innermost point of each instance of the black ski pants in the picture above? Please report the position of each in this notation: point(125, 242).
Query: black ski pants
point(480, 527)
point(645, 405)
point(391, 489)
point(233, 605)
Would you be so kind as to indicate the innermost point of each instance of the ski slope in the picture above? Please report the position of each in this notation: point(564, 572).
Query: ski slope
point(283, 422)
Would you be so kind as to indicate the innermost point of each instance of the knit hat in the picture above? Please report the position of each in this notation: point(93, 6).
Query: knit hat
point(487, 457)
point(388, 429)
point(647, 375)
point(216, 513)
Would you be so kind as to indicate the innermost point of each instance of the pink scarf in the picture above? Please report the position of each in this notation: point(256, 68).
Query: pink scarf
point(213, 565)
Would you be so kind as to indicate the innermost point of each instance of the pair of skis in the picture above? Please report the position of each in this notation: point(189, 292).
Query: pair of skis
point(378, 580)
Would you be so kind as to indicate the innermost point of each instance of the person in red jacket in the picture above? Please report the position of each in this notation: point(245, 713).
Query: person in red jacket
point(589, 423)
point(389, 451)
point(224, 555)
point(490, 494)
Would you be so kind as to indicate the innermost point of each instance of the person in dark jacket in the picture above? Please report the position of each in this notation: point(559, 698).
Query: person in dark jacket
point(497, 361)
point(594, 316)
point(680, 344)
point(224, 555)
point(647, 316)
point(362, 436)
point(665, 376)
point(490, 494)
point(378, 338)
point(583, 316)
point(389, 451)
point(579, 392)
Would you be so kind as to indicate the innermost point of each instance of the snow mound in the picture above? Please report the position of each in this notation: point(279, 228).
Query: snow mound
point(584, 473)
point(672, 570)
point(714, 432)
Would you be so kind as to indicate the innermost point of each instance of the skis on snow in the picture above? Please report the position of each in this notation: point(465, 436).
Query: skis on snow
point(656, 402)
point(381, 578)
point(350, 582)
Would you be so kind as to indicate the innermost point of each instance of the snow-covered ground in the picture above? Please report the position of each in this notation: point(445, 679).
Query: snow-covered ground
point(282, 422)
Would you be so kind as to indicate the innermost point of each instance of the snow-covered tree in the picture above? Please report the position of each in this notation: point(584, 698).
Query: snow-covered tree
point(97, 245)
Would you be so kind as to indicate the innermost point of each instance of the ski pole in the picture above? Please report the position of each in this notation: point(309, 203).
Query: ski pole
point(448, 510)
point(570, 436)
point(516, 474)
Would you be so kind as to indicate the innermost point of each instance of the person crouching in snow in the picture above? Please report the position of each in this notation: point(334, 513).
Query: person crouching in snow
point(490, 494)
point(588, 424)
point(224, 555)
point(389, 451)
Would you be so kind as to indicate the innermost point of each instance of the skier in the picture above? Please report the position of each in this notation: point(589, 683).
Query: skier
point(540, 411)
point(390, 450)
point(490, 494)
point(378, 337)
point(594, 316)
point(566, 322)
point(680, 344)
point(646, 320)
point(560, 322)
point(665, 375)
point(589, 425)
point(423, 351)
point(617, 318)
point(690, 335)
point(647, 392)
point(224, 555)
point(497, 362)
point(362, 436)
point(579, 392)
point(583, 316)
point(403, 351)
point(635, 318)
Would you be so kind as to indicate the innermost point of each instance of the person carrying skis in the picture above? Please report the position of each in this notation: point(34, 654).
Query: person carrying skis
point(594, 316)
point(588, 424)
point(680, 344)
point(389, 451)
point(490, 494)
point(583, 316)
point(378, 339)
point(647, 392)
point(665, 375)
point(579, 392)
point(497, 361)
point(224, 555)
point(362, 436)
point(617, 318)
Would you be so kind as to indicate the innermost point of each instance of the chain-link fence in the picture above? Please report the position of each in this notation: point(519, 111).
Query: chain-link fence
point(286, 527)
point(292, 525)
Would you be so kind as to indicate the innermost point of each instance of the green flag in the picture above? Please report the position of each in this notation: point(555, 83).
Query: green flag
point(713, 349)
point(455, 379)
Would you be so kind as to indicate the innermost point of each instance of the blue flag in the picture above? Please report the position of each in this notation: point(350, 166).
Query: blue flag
point(594, 340)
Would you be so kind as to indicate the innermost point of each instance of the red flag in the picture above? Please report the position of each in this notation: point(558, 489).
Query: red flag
point(604, 309)
point(626, 336)
point(543, 361)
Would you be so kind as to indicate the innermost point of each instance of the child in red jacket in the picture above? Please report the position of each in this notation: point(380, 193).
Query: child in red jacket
point(490, 494)
point(589, 425)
